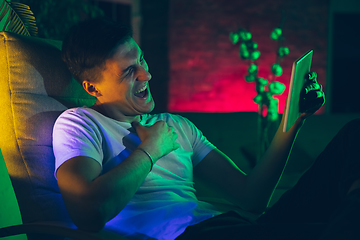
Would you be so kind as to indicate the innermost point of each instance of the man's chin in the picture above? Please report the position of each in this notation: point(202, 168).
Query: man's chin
point(150, 109)
point(146, 110)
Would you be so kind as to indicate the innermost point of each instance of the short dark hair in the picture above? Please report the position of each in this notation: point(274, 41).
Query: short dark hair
point(89, 44)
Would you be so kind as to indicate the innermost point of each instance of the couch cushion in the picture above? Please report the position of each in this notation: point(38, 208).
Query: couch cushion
point(35, 88)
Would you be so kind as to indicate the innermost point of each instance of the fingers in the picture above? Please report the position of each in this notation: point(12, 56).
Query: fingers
point(169, 135)
point(140, 129)
point(312, 87)
point(312, 97)
point(311, 76)
point(176, 146)
point(135, 125)
point(312, 102)
point(160, 135)
point(174, 136)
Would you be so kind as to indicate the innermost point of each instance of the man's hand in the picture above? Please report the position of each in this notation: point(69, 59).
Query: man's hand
point(312, 98)
point(158, 139)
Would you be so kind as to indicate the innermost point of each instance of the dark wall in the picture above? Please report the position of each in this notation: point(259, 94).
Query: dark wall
point(154, 43)
point(346, 62)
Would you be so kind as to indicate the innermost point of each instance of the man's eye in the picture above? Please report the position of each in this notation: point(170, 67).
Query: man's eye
point(128, 72)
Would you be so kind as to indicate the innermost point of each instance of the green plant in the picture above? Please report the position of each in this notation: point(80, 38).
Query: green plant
point(266, 90)
point(54, 18)
point(18, 18)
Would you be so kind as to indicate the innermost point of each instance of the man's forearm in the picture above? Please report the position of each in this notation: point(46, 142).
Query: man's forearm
point(263, 179)
point(92, 202)
point(119, 185)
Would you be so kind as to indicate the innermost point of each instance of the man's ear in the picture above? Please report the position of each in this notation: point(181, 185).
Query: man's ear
point(91, 88)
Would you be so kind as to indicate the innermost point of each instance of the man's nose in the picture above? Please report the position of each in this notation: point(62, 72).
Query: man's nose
point(144, 74)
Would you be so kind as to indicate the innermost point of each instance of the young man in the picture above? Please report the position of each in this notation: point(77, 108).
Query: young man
point(118, 166)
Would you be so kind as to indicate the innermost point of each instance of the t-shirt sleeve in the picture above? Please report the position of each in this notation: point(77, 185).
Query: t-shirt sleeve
point(200, 144)
point(75, 134)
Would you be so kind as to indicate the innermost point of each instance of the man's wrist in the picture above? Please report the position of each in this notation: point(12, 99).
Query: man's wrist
point(149, 156)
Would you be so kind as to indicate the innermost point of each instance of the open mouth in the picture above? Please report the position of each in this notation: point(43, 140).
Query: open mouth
point(141, 93)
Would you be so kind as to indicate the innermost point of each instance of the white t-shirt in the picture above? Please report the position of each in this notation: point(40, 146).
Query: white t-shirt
point(165, 204)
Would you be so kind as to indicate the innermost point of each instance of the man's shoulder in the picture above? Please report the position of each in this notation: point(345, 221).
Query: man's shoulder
point(82, 112)
point(75, 111)
point(80, 116)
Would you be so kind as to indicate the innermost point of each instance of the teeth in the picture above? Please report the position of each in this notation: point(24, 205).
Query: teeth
point(142, 89)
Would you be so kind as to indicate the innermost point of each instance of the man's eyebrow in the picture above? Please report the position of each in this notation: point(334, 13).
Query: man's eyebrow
point(129, 67)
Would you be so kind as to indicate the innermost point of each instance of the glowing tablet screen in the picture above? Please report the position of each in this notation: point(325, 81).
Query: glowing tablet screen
point(300, 68)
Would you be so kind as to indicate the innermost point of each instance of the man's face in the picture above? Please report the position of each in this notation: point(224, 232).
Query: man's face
point(124, 86)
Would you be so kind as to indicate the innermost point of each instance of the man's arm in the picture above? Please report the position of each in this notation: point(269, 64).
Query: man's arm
point(93, 199)
point(251, 192)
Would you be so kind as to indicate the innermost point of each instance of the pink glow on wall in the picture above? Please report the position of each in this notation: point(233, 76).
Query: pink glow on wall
point(227, 91)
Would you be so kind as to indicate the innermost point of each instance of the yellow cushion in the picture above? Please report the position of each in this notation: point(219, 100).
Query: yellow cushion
point(35, 88)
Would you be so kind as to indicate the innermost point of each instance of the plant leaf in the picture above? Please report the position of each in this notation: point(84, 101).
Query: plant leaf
point(20, 20)
point(4, 9)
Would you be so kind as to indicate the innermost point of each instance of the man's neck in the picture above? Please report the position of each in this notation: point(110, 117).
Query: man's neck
point(116, 115)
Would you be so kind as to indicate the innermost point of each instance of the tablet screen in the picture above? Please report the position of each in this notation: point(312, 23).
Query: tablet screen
point(300, 68)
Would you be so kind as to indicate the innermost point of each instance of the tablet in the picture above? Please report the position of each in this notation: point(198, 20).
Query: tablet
point(300, 68)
